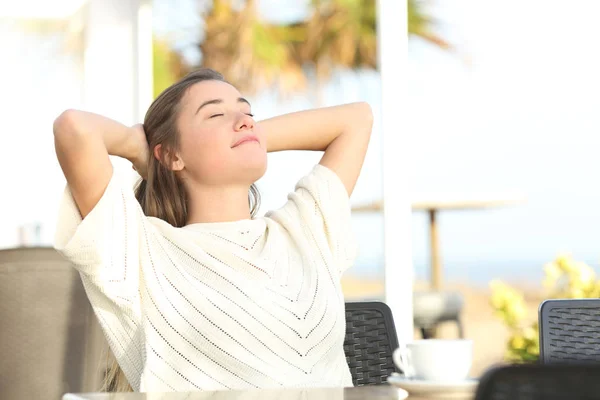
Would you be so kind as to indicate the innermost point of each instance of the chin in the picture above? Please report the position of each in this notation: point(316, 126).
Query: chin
point(253, 169)
point(257, 171)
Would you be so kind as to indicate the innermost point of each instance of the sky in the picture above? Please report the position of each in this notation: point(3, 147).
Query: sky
point(514, 109)
point(522, 116)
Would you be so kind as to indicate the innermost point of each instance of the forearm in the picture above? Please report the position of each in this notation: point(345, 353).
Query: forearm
point(314, 129)
point(78, 125)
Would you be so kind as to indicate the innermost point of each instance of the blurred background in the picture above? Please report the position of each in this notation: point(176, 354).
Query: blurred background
point(501, 114)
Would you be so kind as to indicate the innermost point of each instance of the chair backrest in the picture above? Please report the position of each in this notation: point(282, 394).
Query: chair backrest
point(50, 341)
point(540, 382)
point(570, 331)
point(369, 343)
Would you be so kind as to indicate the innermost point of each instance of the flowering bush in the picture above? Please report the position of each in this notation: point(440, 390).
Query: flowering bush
point(564, 278)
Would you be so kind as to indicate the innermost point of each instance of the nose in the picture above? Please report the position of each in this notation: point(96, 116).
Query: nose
point(244, 122)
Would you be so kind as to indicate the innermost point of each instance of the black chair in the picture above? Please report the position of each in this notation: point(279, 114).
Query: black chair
point(540, 382)
point(370, 341)
point(570, 331)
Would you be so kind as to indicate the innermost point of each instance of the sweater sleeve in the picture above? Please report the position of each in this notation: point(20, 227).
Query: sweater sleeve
point(324, 207)
point(105, 245)
point(105, 248)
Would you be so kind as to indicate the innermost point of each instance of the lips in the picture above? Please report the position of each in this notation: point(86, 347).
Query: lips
point(248, 138)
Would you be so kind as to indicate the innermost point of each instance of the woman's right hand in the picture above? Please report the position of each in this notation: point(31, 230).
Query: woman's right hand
point(140, 151)
point(84, 141)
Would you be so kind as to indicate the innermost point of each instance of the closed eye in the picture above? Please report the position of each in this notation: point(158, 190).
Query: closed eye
point(220, 115)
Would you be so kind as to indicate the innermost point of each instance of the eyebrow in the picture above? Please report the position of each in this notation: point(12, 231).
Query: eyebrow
point(220, 101)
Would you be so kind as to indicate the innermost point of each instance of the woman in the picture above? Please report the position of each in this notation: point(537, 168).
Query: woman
point(192, 290)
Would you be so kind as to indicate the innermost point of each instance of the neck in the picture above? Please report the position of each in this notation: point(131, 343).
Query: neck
point(217, 204)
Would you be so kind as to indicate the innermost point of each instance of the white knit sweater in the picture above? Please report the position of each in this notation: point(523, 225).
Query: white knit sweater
point(235, 305)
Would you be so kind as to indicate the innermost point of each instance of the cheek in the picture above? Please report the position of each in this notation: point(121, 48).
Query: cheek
point(258, 131)
point(205, 151)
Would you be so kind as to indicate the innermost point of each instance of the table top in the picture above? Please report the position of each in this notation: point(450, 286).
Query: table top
point(451, 202)
point(376, 392)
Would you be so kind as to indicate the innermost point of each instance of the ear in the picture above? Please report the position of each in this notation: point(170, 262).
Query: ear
point(176, 163)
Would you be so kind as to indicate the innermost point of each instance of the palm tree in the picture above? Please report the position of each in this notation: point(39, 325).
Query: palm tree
point(422, 25)
point(343, 33)
point(168, 66)
point(339, 33)
point(252, 54)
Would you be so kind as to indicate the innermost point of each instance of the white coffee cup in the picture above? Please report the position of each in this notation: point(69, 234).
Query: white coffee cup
point(435, 359)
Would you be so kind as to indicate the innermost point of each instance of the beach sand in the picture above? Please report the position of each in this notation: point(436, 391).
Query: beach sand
point(488, 333)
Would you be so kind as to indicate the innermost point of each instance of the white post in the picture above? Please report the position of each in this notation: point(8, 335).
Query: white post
point(392, 34)
point(118, 59)
point(145, 73)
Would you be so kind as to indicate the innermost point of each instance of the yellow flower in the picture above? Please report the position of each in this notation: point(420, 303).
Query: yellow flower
point(516, 310)
point(552, 269)
point(585, 273)
point(552, 274)
point(508, 303)
point(530, 334)
point(517, 342)
point(595, 289)
point(533, 349)
point(563, 261)
point(575, 293)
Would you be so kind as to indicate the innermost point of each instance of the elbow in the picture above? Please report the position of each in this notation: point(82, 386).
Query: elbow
point(366, 115)
point(65, 124)
point(358, 121)
point(67, 131)
point(365, 112)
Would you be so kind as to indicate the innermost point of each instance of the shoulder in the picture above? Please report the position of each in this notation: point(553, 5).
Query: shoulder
point(318, 177)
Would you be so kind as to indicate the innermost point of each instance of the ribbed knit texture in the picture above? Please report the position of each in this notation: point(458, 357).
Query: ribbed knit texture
point(234, 305)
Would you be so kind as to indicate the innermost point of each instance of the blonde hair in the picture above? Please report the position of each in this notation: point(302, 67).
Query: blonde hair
point(162, 194)
point(114, 377)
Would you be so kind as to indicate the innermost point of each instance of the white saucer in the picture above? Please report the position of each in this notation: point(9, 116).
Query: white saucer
point(419, 387)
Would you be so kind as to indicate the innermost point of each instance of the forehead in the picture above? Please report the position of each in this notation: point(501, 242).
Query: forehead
point(211, 90)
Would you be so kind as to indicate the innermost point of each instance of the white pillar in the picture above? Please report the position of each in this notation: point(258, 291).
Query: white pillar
point(118, 59)
point(145, 72)
point(393, 52)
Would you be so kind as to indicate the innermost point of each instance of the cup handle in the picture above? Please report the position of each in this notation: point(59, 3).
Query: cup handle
point(401, 357)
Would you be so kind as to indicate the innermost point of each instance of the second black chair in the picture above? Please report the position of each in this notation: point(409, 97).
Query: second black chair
point(370, 341)
point(570, 331)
